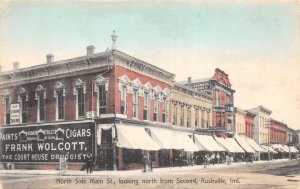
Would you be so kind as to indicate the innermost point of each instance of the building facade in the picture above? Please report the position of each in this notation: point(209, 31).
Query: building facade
point(278, 132)
point(240, 122)
point(261, 124)
point(249, 124)
point(78, 108)
point(219, 87)
point(190, 108)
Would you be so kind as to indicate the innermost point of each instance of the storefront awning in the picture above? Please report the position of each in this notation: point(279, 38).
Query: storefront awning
point(226, 145)
point(165, 138)
point(234, 143)
point(207, 143)
point(267, 148)
point(135, 137)
point(185, 141)
point(278, 148)
point(254, 145)
point(293, 149)
point(243, 143)
point(285, 147)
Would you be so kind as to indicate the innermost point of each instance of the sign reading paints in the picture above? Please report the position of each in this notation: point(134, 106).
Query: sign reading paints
point(47, 143)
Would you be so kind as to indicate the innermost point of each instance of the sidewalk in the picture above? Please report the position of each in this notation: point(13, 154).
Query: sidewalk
point(156, 171)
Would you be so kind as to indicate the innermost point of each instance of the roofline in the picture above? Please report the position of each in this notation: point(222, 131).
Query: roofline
point(250, 113)
point(80, 58)
point(262, 108)
point(278, 122)
point(192, 90)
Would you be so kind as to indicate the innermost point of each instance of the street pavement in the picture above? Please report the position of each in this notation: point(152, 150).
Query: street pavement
point(274, 174)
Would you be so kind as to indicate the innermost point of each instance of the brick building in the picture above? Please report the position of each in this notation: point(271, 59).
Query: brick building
point(219, 87)
point(278, 132)
point(101, 105)
point(249, 124)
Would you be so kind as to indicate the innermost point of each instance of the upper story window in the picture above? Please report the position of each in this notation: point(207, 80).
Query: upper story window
point(59, 94)
point(23, 100)
point(124, 86)
point(188, 122)
point(208, 119)
point(165, 110)
point(102, 100)
point(6, 101)
point(202, 118)
point(80, 102)
point(217, 98)
point(146, 105)
point(123, 99)
point(80, 91)
point(156, 108)
point(7, 111)
point(135, 103)
point(41, 107)
point(23, 109)
point(182, 115)
point(175, 114)
point(196, 117)
point(40, 96)
point(228, 99)
point(60, 105)
point(101, 87)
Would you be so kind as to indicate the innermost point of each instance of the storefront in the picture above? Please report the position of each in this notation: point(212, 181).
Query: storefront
point(43, 146)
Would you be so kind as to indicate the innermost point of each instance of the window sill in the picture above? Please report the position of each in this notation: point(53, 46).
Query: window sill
point(135, 118)
point(80, 118)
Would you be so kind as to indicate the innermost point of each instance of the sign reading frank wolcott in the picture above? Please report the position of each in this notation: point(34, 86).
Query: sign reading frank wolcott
point(47, 143)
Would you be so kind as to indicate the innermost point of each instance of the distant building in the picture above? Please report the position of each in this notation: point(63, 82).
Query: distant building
point(219, 87)
point(249, 124)
point(240, 122)
point(278, 132)
point(261, 124)
point(296, 138)
point(190, 108)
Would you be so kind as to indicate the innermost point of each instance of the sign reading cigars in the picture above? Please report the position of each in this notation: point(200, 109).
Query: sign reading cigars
point(47, 143)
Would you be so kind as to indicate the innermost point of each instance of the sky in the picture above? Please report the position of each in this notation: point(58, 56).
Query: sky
point(257, 44)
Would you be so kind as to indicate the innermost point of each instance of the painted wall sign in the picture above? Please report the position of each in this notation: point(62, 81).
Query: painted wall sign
point(47, 143)
point(14, 114)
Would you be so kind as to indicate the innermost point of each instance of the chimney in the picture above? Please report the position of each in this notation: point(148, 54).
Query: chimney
point(50, 58)
point(189, 80)
point(16, 65)
point(90, 50)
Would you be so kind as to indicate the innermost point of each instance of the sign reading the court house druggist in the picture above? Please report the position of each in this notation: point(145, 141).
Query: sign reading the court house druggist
point(47, 143)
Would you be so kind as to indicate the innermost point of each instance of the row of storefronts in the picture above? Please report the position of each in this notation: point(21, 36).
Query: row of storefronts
point(121, 111)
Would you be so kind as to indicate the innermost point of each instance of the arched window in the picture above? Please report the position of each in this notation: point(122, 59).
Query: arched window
point(80, 91)
point(40, 96)
point(23, 100)
point(59, 94)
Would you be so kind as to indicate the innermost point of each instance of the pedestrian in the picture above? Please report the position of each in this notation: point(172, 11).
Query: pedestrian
point(180, 158)
point(213, 158)
point(206, 160)
point(227, 159)
point(218, 158)
point(145, 160)
point(89, 165)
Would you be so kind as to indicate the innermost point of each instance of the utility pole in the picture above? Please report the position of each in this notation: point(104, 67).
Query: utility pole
point(267, 122)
